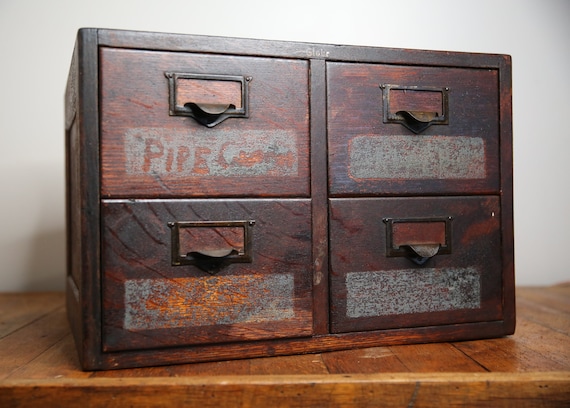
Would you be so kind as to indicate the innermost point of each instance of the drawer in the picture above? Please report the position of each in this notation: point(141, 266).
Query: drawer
point(202, 125)
point(414, 262)
point(189, 272)
point(412, 130)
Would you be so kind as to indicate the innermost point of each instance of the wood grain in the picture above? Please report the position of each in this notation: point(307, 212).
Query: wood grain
point(39, 367)
point(308, 104)
point(269, 297)
point(359, 268)
point(355, 110)
point(412, 390)
point(145, 152)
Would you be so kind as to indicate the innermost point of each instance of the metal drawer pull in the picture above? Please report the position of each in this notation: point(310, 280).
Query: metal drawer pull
point(211, 245)
point(214, 253)
point(425, 250)
point(417, 122)
point(414, 107)
point(418, 239)
point(208, 114)
point(209, 99)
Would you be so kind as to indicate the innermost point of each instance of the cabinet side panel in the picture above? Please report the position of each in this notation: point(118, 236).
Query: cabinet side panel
point(507, 222)
point(73, 243)
point(82, 200)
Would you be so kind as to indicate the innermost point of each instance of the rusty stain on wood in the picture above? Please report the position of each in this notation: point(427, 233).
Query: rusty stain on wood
point(406, 291)
point(417, 157)
point(210, 300)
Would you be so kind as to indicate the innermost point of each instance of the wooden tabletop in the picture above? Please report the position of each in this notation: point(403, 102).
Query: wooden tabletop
point(39, 367)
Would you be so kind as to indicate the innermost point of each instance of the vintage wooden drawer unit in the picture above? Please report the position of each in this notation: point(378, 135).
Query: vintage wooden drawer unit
point(232, 198)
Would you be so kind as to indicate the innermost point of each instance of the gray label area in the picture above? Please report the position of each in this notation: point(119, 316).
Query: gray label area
point(417, 157)
point(229, 153)
point(210, 300)
point(396, 292)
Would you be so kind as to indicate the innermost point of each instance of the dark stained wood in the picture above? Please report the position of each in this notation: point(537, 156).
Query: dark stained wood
point(147, 153)
point(373, 292)
point(39, 368)
point(257, 47)
point(148, 302)
point(319, 198)
point(83, 197)
point(466, 150)
point(313, 110)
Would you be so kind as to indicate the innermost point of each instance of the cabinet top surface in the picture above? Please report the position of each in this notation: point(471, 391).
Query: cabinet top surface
point(290, 49)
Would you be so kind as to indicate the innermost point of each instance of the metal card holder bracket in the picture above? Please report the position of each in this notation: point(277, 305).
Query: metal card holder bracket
point(209, 259)
point(419, 114)
point(418, 239)
point(217, 98)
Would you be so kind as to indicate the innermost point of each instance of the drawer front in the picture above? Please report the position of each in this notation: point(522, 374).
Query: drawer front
point(412, 130)
point(185, 272)
point(192, 125)
point(407, 262)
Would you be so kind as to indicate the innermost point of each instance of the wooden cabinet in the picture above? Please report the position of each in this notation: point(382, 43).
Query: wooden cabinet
point(231, 198)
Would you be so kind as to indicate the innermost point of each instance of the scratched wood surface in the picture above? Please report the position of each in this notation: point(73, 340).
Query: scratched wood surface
point(149, 304)
point(356, 268)
point(145, 152)
point(365, 161)
point(39, 367)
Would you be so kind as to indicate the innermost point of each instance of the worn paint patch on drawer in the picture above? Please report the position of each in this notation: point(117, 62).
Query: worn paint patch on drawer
point(417, 157)
point(204, 301)
point(178, 153)
point(397, 292)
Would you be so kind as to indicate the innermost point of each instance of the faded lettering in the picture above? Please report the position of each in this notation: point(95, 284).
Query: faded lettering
point(167, 152)
point(417, 157)
point(396, 292)
point(317, 52)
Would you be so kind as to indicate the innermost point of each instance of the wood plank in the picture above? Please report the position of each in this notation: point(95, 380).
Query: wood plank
point(544, 315)
point(436, 357)
point(143, 372)
point(556, 297)
point(282, 365)
point(406, 389)
point(508, 355)
point(20, 309)
point(58, 361)
point(289, 365)
point(217, 368)
point(551, 344)
point(39, 367)
point(319, 197)
point(369, 360)
point(23, 345)
point(540, 341)
point(563, 287)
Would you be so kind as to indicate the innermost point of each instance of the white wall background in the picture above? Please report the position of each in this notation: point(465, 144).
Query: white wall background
point(37, 38)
